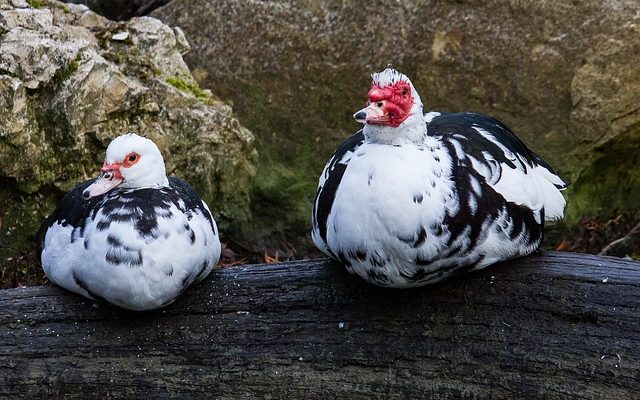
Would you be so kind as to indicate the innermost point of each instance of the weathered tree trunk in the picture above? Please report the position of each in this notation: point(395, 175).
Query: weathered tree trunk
point(554, 325)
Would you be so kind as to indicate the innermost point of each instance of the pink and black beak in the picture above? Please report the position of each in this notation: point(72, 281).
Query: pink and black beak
point(109, 178)
point(374, 113)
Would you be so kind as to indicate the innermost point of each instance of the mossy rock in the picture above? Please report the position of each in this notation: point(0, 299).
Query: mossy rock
point(70, 81)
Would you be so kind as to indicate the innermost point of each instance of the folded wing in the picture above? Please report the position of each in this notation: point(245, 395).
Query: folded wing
point(508, 166)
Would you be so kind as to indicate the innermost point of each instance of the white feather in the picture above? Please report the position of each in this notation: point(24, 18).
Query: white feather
point(167, 260)
point(532, 187)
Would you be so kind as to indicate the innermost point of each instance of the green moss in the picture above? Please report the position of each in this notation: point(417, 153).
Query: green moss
point(35, 3)
point(297, 130)
point(63, 74)
point(45, 3)
point(610, 184)
point(189, 85)
point(281, 204)
point(224, 185)
point(21, 218)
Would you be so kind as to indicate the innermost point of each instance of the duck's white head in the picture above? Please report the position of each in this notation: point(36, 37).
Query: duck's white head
point(132, 161)
point(394, 110)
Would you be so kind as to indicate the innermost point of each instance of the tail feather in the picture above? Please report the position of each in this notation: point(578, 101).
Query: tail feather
point(550, 186)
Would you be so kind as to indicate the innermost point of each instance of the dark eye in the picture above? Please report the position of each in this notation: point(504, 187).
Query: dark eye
point(379, 104)
point(404, 92)
point(133, 157)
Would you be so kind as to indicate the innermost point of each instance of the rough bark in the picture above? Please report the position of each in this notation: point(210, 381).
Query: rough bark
point(554, 325)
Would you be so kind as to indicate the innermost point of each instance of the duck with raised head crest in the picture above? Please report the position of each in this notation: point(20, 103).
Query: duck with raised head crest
point(132, 237)
point(414, 198)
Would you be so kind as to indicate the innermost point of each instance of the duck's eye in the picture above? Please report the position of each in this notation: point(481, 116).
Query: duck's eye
point(130, 159)
point(404, 92)
point(379, 104)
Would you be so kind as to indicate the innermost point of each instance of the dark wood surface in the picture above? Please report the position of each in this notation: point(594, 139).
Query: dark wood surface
point(554, 325)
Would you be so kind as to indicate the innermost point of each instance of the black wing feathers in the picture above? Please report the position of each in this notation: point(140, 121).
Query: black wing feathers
point(72, 209)
point(191, 198)
point(465, 124)
point(327, 193)
point(142, 207)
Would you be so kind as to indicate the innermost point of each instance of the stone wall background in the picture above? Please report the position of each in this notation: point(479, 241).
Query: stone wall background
point(562, 74)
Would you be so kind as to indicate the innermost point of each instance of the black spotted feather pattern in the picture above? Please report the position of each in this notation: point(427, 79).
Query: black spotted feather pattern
point(478, 206)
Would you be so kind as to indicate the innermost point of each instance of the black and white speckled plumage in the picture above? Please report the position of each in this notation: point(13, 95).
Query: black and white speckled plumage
point(452, 193)
point(137, 248)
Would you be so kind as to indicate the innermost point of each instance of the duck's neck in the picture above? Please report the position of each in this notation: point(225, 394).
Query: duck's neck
point(412, 131)
point(147, 182)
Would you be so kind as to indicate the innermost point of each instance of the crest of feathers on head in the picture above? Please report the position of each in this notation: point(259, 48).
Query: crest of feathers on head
point(388, 77)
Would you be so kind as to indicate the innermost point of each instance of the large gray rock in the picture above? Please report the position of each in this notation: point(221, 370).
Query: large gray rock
point(71, 80)
point(564, 75)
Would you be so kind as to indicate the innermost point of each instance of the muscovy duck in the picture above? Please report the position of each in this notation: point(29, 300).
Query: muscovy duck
point(414, 198)
point(132, 237)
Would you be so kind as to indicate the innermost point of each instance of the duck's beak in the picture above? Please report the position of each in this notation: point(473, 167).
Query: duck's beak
point(374, 113)
point(109, 178)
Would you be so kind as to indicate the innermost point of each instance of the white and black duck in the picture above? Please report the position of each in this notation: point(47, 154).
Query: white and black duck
point(414, 198)
point(131, 237)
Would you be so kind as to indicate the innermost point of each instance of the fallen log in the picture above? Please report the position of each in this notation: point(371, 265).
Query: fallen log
point(553, 325)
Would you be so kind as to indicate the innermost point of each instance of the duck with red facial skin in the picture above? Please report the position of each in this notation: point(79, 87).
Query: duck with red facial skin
point(414, 198)
point(390, 105)
point(131, 237)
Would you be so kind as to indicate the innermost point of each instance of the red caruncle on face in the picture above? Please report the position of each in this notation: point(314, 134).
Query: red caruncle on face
point(396, 100)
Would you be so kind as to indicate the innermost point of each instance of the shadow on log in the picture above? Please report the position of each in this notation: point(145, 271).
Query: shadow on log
point(554, 325)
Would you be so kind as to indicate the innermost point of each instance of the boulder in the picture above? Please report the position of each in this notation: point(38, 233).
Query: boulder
point(71, 80)
point(563, 75)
